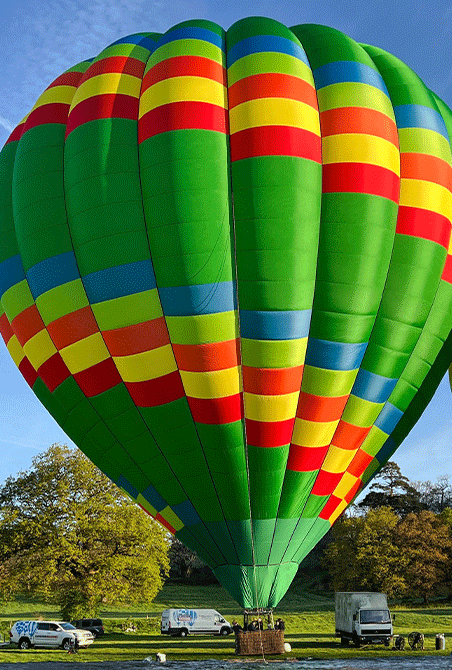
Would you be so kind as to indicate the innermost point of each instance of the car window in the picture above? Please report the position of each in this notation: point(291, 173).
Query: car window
point(67, 626)
point(86, 622)
point(43, 626)
point(53, 626)
point(97, 622)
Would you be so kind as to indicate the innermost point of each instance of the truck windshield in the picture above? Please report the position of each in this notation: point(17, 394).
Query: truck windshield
point(375, 616)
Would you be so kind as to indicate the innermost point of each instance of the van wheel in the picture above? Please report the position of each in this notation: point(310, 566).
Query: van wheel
point(225, 630)
point(184, 632)
point(66, 644)
point(24, 643)
point(344, 641)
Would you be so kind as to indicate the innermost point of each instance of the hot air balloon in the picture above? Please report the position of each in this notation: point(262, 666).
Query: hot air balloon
point(225, 270)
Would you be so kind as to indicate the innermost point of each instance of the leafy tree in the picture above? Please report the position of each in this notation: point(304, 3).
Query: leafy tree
point(424, 541)
point(68, 535)
point(392, 489)
point(364, 556)
point(186, 566)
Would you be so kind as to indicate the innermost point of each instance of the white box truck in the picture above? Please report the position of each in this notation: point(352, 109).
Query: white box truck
point(363, 618)
point(184, 622)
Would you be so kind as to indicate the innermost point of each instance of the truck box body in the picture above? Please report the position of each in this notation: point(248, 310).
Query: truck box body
point(363, 617)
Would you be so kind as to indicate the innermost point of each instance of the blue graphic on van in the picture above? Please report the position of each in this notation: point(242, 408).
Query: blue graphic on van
point(26, 627)
point(186, 616)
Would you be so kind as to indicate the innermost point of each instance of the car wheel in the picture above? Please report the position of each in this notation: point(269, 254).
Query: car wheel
point(95, 633)
point(67, 644)
point(24, 643)
point(184, 632)
point(225, 631)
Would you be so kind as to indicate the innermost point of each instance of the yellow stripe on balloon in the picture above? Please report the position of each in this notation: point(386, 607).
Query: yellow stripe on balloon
point(146, 365)
point(337, 459)
point(15, 350)
point(274, 112)
point(178, 89)
point(361, 148)
point(212, 384)
point(338, 511)
point(345, 485)
point(313, 433)
point(111, 82)
point(426, 195)
point(270, 407)
point(85, 353)
point(61, 94)
point(39, 348)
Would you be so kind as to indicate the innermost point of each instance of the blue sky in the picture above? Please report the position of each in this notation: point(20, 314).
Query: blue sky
point(41, 38)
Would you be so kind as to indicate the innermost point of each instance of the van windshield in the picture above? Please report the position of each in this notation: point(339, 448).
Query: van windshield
point(375, 616)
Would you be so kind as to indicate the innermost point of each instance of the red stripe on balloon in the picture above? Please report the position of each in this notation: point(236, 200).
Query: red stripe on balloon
point(115, 64)
point(424, 223)
point(269, 433)
point(359, 463)
point(137, 338)
point(320, 408)
point(217, 410)
point(28, 372)
point(447, 271)
point(349, 436)
point(98, 378)
point(326, 482)
point(271, 85)
point(105, 106)
point(207, 357)
point(275, 141)
point(272, 381)
point(183, 66)
point(155, 392)
point(54, 112)
point(353, 491)
point(181, 116)
point(53, 372)
point(165, 523)
point(16, 134)
point(306, 459)
point(72, 327)
point(5, 328)
point(361, 178)
point(27, 324)
point(330, 507)
point(361, 120)
point(67, 79)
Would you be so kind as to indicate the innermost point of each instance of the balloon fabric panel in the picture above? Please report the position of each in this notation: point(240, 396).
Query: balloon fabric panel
point(225, 270)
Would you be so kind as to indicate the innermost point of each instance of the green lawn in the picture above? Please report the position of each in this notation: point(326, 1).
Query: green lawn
point(309, 627)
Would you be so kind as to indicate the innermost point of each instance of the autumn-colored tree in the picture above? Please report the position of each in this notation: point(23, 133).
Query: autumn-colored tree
point(424, 542)
point(68, 535)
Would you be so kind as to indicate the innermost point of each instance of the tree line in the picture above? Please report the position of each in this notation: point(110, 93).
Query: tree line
point(398, 539)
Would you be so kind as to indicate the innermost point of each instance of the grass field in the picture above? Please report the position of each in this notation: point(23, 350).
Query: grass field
point(309, 621)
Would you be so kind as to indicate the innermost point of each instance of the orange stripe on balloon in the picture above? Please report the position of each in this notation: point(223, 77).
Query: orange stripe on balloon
point(271, 85)
point(360, 120)
point(181, 66)
point(359, 463)
point(72, 327)
point(206, 357)
point(137, 338)
point(320, 408)
point(348, 436)
point(27, 324)
point(272, 381)
point(426, 168)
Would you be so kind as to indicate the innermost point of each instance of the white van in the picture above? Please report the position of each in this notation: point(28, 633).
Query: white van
point(26, 634)
point(184, 622)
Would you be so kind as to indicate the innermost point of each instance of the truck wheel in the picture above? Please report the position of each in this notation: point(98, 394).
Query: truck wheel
point(344, 641)
point(24, 643)
point(66, 644)
point(184, 632)
point(356, 640)
point(225, 630)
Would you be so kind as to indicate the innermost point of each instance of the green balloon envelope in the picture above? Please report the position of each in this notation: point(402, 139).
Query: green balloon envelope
point(225, 270)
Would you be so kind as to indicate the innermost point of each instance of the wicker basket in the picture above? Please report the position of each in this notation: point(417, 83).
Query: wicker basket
point(253, 643)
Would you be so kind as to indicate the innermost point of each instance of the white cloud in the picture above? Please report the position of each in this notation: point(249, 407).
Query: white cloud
point(6, 124)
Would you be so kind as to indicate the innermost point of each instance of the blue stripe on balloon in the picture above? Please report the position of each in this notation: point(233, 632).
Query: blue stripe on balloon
point(260, 325)
point(52, 272)
point(334, 355)
point(372, 387)
point(418, 116)
point(198, 299)
point(344, 71)
point(265, 43)
point(140, 39)
point(127, 486)
point(154, 498)
point(119, 281)
point(193, 33)
point(186, 513)
point(11, 273)
point(388, 418)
